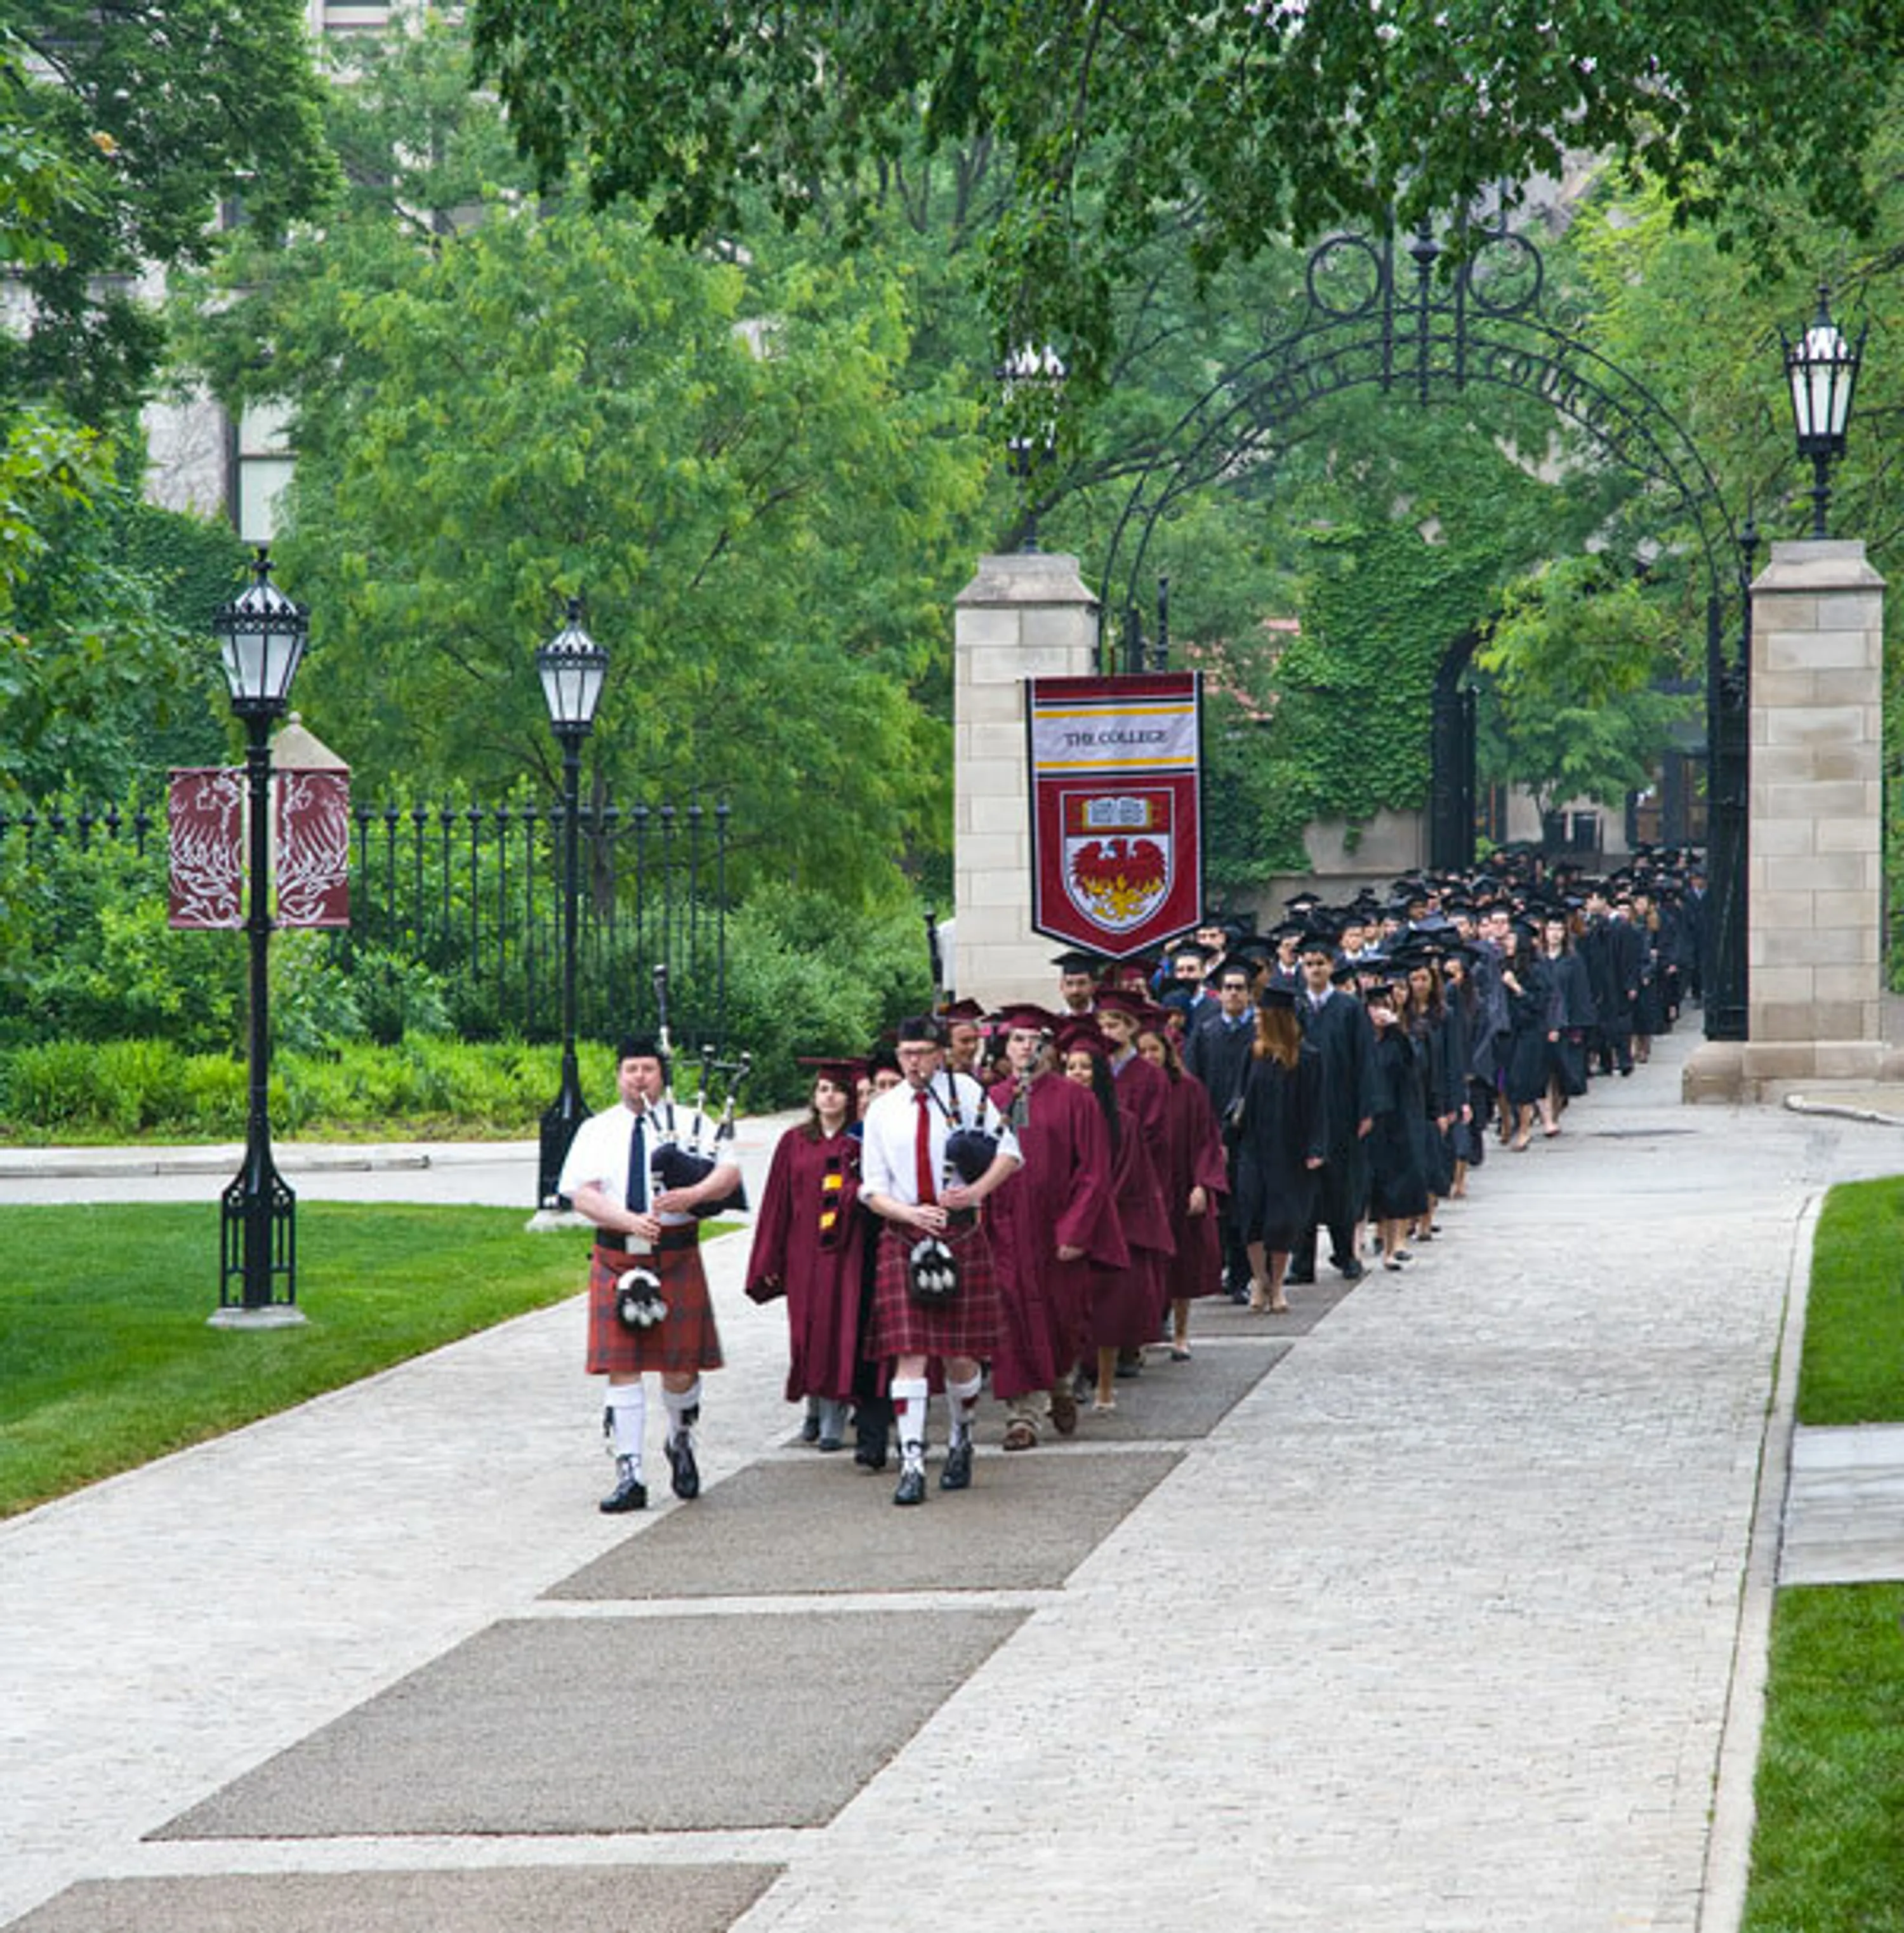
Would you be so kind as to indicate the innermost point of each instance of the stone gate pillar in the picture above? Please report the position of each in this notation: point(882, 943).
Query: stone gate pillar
point(1024, 615)
point(1815, 910)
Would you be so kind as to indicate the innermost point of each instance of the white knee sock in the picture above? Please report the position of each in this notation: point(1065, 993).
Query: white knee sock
point(628, 1413)
point(962, 1401)
point(909, 1394)
point(683, 1408)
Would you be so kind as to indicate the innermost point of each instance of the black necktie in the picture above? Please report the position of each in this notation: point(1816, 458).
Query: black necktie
point(637, 1196)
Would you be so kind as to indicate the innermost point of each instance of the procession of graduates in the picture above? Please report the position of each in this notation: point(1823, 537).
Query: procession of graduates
point(1041, 1195)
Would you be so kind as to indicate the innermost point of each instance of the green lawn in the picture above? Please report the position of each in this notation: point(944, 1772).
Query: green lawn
point(106, 1359)
point(1852, 1370)
point(1827, 1852)
point(1827, 1849)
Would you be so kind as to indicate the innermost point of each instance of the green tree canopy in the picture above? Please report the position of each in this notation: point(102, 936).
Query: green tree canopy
point(1262, 119)
point(498, 401)
point(153, 115)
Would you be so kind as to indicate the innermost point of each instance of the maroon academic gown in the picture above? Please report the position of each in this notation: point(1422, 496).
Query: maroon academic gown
point(1060, 1198)
point(818, 1273)
point(1124, 1301)
point(1192, 1157)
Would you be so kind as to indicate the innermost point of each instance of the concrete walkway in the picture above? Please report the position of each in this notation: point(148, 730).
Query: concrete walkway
point(1455, 1620)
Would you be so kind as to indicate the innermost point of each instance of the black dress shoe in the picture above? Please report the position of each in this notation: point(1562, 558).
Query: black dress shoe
point(686, 1471)
point(957, 1474)
point(1299, 1278)
point(809, 1429)
point(629, 1493)
point(912, 1487)
point(1353, 1270)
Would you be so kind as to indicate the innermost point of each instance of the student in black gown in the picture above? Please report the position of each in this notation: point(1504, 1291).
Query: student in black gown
point(1458, 999)
point(1529, 987)
point(1425, 1017)
point(1280, 1142)
point(1398, 1193)
point(1570, 1019)
point(1336, 1024)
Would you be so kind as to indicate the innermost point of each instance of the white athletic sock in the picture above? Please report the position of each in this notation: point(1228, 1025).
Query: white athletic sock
point(961, 1402)
point(909, 1394)
point(628, 1411)
point(683, 1409)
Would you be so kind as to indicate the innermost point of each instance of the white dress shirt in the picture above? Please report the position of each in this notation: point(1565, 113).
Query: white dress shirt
point(888, 1160)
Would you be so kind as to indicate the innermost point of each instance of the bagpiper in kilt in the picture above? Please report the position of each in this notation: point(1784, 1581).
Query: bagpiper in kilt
point(933, 1148)
point(648, 1305)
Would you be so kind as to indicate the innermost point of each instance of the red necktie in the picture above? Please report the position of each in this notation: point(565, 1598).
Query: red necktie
point(922, 1153)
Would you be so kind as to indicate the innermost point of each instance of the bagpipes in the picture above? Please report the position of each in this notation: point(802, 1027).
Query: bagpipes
point(969, 1151)
point(685, 1158)
point(932, 1264)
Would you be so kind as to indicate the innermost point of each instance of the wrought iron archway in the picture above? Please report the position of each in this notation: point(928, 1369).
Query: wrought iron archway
point(1466, 315)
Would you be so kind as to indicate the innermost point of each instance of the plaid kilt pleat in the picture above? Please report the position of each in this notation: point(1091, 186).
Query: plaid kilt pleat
point(685, 1340)
point(968, 1325)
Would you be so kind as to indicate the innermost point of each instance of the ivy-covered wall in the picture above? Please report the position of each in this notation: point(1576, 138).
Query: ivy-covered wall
point(1349, 732)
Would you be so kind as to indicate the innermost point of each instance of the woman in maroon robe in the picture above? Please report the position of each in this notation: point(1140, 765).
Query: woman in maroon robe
point(1189, 1163)
point(1123, 1301)
point(810, 1241)
point(1050, 1223)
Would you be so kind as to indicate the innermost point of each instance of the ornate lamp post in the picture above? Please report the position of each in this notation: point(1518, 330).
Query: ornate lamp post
point(261, 634)
point(573, 666)
point(1822, 370)
point(1033, 381)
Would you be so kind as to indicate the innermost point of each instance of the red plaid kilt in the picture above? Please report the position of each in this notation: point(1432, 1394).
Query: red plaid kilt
point(968, 1325)
point(685, 1340)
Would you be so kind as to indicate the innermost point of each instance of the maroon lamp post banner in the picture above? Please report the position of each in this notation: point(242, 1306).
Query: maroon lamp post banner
point(205, 816)
point(313, 847)
point(205, 819)
point(1117, 830)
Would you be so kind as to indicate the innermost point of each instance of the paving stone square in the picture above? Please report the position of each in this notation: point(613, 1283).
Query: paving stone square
point(1180, 1403)
point(617, 1725)
point(820, 1525)
point(565, 1899)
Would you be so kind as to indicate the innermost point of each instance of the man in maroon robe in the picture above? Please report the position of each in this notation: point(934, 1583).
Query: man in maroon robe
point(1052, 1222)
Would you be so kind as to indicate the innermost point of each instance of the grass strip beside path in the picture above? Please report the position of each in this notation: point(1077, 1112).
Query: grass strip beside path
point(1828, 1850)
point(1852, 1369)
point(1827, 1847)
point(106, 1359)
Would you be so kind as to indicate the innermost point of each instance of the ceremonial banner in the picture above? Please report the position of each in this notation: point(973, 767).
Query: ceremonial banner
point(314, 847)
point(1117, 830)
point(205, 822)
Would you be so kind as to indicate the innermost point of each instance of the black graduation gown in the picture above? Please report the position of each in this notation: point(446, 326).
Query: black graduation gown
point(1396, 1185)
point(1571, 1014)
point(1284, 1126)
point(1526, 1058)
point(1650, 1010)
point(1218, 1055)
point(1340, 1032)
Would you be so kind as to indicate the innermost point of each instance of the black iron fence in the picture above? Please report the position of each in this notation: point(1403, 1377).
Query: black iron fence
point(473, 892)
